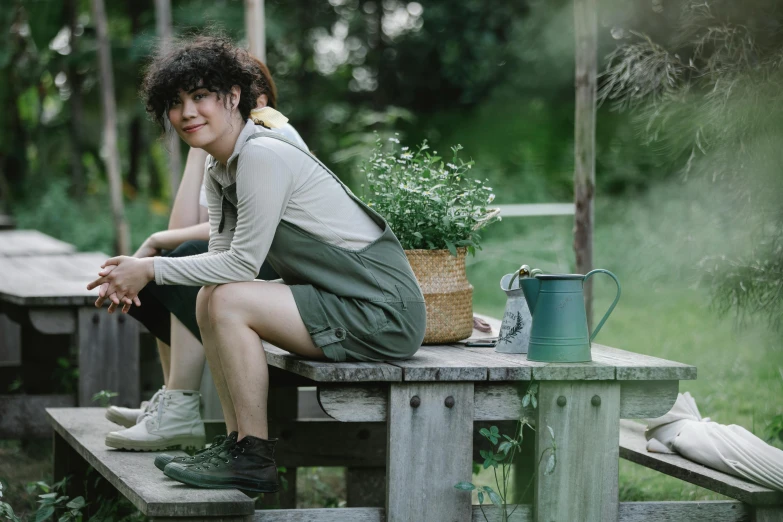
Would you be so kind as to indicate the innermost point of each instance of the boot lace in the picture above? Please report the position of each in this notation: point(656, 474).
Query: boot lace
point(220, 458)
point(216, 445)
point(154, 410)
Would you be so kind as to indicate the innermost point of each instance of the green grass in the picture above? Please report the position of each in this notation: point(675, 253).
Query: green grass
point(655, 245)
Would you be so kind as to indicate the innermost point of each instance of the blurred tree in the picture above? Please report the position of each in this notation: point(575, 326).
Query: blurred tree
point(707, 94)
point(122, 232)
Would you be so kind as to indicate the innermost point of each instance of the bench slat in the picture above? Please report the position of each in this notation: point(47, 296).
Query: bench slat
point(135, 475)
point(30, 243)
point(632, 366)
point(52, 280)
point(633, 447)
point(322, 371)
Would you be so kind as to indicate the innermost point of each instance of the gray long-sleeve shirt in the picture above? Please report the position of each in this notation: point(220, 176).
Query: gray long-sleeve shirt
point(274, 181)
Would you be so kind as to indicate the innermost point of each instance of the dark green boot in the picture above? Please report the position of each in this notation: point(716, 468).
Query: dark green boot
point(249, 465)
point(219, 443)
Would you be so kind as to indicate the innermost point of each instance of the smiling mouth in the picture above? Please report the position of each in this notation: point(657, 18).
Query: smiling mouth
point(193, 128)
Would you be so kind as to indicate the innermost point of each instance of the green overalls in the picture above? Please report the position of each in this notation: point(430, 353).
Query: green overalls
point(360, 305)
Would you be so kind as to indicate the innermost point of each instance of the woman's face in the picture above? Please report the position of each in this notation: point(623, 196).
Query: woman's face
point(201, 118)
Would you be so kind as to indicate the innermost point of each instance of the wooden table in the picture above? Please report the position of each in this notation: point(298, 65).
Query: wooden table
point(31, 243)
point(47, 293)
point(415, 420)
point(431, 401)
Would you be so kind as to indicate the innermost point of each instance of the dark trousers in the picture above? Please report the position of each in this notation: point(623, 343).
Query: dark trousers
point(158, 302)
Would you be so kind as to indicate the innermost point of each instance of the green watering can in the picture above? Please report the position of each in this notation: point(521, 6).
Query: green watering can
point(557, 302)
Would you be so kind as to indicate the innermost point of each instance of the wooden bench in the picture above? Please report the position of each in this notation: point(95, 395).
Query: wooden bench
point(415, 421)
point(765, 504)
point(45, 294)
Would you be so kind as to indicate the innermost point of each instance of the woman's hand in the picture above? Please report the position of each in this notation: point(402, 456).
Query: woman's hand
point(149, 248)
point(121, 279)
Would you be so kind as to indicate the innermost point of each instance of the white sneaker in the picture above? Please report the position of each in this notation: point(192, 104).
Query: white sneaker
point(172, 420)
point(127, 417)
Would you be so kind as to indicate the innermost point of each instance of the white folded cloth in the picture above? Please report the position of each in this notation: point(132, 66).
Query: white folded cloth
point(730, 449)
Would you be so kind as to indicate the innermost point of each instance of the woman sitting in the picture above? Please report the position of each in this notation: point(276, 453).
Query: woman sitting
point(169, 312)
point(348, 292)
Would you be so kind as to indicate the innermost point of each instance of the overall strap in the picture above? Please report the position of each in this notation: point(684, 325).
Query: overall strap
point(278, 136)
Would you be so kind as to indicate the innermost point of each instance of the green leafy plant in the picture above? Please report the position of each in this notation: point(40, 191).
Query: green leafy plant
point(51, 503)
point(501, 455)
point(429, 204)
point(104, 397)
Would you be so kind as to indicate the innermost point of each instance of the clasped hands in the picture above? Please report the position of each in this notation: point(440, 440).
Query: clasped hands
point(121, 279)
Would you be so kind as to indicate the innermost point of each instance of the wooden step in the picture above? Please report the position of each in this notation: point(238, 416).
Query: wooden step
point(135, 476)
point(633, 447)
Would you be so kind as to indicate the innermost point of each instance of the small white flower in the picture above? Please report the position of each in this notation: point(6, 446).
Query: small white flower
point(452, 166)
point(491, 198)
point(394, 140)
point(404, 149)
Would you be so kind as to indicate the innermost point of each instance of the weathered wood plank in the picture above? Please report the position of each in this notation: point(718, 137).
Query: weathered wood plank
point(636, 366)
point(50, 280)
point(517, 367)
point(445, 363)
point(584, 419)
point(493, 401)
point(633, 447)
point(647, 399)
point(134, 474)
point(321, 371)
point(53, 321)
point(24, 416)
point(108, 356)
point(521, 513)
point(320, 515)
point(713, 511)
point(429, 450)
point(31, 243)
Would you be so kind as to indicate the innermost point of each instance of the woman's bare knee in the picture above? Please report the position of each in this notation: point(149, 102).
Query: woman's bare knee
point(224, 304)
point(202, 306)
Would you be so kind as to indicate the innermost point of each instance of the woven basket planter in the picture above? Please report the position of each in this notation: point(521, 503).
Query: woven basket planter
point(447, 294)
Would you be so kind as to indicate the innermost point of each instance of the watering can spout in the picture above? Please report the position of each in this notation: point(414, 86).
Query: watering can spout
point(530, 287)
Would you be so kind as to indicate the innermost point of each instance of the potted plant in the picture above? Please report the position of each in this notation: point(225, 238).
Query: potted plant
point(436, 210)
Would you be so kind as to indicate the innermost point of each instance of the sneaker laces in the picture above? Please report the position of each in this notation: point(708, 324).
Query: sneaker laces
point(217, 442)
point(151, 406)
point(219, 459)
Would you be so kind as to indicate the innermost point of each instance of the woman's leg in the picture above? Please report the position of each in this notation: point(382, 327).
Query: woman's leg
point(241, 315)
point(164, 353)
point(186, 358)
point(213, 357)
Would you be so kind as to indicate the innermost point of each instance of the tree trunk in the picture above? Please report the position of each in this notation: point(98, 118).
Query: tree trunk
point(112, 159)
point(255, 28)
point(76, 103)
point(164, 30)
point(586, 36)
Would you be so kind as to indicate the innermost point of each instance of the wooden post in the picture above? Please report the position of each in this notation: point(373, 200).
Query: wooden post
point(255, 28)
point(76, 103)
point(163, 26)
point(112, 155)
point(108, 356)
point(585, 420)
point(430, 436)
point(586, 36)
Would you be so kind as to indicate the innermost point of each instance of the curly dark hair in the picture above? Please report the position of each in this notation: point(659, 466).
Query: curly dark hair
point(213, 62)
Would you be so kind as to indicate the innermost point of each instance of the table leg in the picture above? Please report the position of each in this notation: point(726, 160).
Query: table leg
point(430, 439)
point(108, 356)
point(585, 420)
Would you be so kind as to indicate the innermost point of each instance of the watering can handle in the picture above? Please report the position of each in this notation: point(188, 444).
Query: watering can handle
point(518, 272)
point(617, 298)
